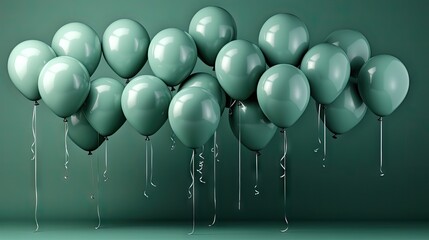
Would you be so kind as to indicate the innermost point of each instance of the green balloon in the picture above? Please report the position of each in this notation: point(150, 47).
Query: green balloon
point(327, 69)
point(209, 83)
point(125, 46)
point(354, 44)
point(79, 41)
point(383, 84)
point(211, 28)
point(283, 93)
point(24, 65)
point(194, 116)
point(64, 85)
point(172, 55)
point(102, 107)
point(284, 38)
point(239, 65)
point(145, 102)
point(82, 133)
point(256, 130)
point(346, 111)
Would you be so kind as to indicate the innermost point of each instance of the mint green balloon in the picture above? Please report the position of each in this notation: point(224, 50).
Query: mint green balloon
point(354, 44)
point(383, 84)
point(239, 65)
point(284, 38)
point(194, 116)
point(82, 133)
point(172, 55)
point(24, 65)
point(211, 28)
point(256, 129)
point(64, 85)
point(145, 102)
point(102, 107)
point(283, 93)
point(209, 83)
point(327, 69)
point(125, 46)
point(79, 41)
point(346, 111)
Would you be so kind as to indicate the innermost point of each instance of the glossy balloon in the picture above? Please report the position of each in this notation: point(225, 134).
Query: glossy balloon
point(82, 133)
point(211, 28)
point(145, 102)
point(346, 111)
point(354, 44)
point(209, 83)
point(284, 38)
point(102, 107)
point(172, 55)
point(79, 41)
point(125, 46)
point(327, 69)
point(283, 93)
point(24, 65)
point(194, 116)
point(64, 85)
point(383, 84)
point(256, 130)
point(239, 65)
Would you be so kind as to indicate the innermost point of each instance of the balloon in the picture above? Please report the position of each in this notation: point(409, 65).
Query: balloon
point(209, 83)
point(328, 70)
point(284, 38)
point(82, 134)
point(172, 55)
point(64, 85)
point(102, 107)
point(346, 111)
point(212, 28)
point(145, 102)
point(239, 65)
point(194, 116)
point(79, 41)
point(283, 93)
point(125, 46)
point(24, 65)
point(256, 130)
point(383, 84)
point(354, 44)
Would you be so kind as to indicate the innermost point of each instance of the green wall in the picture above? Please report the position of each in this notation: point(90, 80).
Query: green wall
point(348, 188)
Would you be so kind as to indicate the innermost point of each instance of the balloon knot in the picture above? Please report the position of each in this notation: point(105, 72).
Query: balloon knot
point(282, 130)
point(36, 103)
point(127, 81)
point(65, 120)
point(172, 89)
point(89, 153)
point(106, 138)
point(258, 153)
point(335, 136)
point(147, 138)
point(213, 69)
point(380, 119)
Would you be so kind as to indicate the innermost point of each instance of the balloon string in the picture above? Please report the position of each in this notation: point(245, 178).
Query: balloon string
point(94, 195)
point(256, 172)
point(191, 163)
point(239, 154)
point(324, 137)
point(381, 146)
point(231, 106)
point(151, 164)
point(193, 191)
point(146, 167)
point(66, 152)
point(284, 179)
point(173, 142)
point(201, 166)
point(105, 161)
point(318, 127)
point(215, 154)
point(34, 151)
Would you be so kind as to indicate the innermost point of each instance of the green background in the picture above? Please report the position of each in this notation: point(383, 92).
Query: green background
point(349, 188)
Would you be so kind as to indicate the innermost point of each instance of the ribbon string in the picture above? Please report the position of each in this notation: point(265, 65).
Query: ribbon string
point(324, 137)
point(146, 167)
point(66, 149)
point(95, 185)
point(151, 164)
point(191, 164)
point(34, 158)
point(256, 172)
point(318, 127)
point(240, 105)
point(283, 131)
point(192, 171)
point(381, 146)
point(214, 150)
point(201, 166)
point(105, 161)
point(173, 142)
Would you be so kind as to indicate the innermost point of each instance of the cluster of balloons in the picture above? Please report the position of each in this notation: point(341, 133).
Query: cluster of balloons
point(271, 81)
